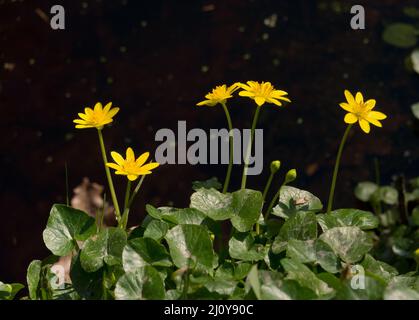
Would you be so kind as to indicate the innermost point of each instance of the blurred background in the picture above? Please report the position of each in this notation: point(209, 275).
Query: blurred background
point(156, 59)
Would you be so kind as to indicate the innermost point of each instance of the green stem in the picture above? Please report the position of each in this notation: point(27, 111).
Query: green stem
point(268, 185)
point(127, 194)
point(272, 203)
point(137, 188)
point(336, 169)
point(128, 202)
point(249, 147)
point(265, 191)
point(231, 148)
point(108, 175)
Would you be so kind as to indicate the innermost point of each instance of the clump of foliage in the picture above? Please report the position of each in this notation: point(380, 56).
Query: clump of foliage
point(286, 248)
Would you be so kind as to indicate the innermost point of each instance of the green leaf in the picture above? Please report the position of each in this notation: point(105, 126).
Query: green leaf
point(293, 200)
point(184, 216)
point(300, 226)
point(400, 293)
point(65, 226)
point(105, 248)
point(414, 57)
point(306, 278)
point(301, 251)
point(143, 284)
point(241, 270)
point(349, 243)
point(246, 205)
point(401, 35)
point(190, 246)
point(389, 195)
point(9, 291)
point(415, 107)
point(253, 281)
point(156, 230)
point(326, 257)
point(242, 246)
point(365, 190)
point(88, 285)
point(153, 212)
point(207, 184)
point(141, 252)
point(415, 216)
point(348, 218)
point(213, 203)
point(274, 287)
point(379, 268)
point(33, 276)
point(222, 287)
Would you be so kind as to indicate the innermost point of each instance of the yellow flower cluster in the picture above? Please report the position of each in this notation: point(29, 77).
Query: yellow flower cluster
point(260, 92)
point(97, 118)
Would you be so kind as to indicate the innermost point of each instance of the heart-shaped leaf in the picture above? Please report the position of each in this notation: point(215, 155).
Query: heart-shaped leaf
point(246, 205)
point(212, 203)
point(300, 226)
point(141, 252)
point(242, 246)
point(293, 200)
point(143, 284)
point(190, 246)
point(348, 218)
point(105, 248)
point(349, 243)
point(65, 226)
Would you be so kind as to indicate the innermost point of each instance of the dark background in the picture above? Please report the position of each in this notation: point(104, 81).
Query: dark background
point(155, 60)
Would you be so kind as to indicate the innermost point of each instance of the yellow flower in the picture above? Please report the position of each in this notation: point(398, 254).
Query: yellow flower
point(97, 117)
point(131, 167)
point(263, 92)
point(361, 111)
point(219, 95)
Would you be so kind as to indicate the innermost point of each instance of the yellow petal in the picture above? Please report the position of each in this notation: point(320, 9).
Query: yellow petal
point(365, 126)
point(83, 126)
point(107, 107)
point(150, 166)
point(142, 159)
point(246, 94)
point(350, 118)
point(112, 112)
point(79, 121)
point(82, 116)
point(377, 115)
point(345, 106)
point(207, 103)
point(359, 98)
point(130, 155)
point(260, 101)
point(113, 166)
point(370, 104)
point(132, 177)
point(373, 121)
point(285, 99)
point(88, 112)
point(274, 101)
point(117, 158)
point(98, 107)
point(349, 97)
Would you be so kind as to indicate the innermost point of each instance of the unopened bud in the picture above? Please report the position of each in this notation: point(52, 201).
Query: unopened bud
point(275, 165)
point(291, 176)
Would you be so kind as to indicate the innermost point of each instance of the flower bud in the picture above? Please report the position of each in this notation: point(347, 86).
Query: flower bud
point(275, 165)
point(291, 176)
point(417, 255)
